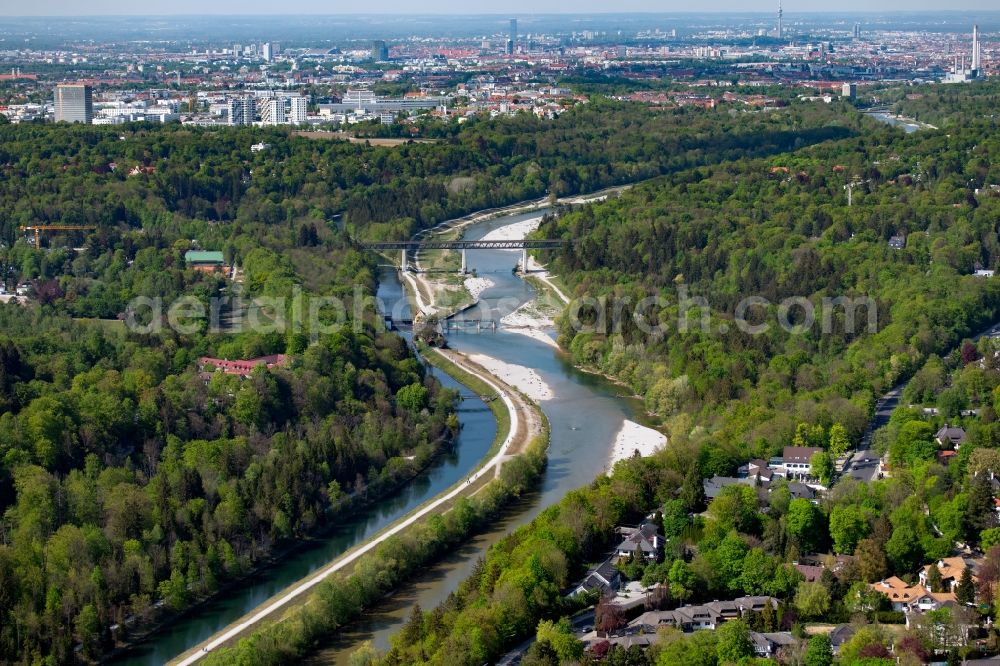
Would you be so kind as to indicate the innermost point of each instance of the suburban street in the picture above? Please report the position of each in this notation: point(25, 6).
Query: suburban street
point(864, 464)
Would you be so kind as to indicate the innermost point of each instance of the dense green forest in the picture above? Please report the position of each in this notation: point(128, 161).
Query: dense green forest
point(127, 478)
point(781, 228)
point(213, 176)
point(773, 228)
point(943, 106)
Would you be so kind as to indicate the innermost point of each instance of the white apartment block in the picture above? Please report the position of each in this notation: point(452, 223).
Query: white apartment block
point(272, 112)
point(297, 113)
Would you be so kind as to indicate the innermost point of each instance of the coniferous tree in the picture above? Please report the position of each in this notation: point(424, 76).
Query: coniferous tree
point(965, 591)
point(980, 513)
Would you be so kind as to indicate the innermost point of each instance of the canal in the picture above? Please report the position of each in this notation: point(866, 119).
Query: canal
point(585, 413)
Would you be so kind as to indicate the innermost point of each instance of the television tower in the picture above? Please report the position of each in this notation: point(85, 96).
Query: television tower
point(976, 53)
point(780, 14)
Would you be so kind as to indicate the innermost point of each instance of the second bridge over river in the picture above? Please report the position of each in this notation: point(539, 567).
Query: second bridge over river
point(463, 246)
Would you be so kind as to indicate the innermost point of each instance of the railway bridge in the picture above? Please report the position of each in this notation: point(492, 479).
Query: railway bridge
point(463, 246)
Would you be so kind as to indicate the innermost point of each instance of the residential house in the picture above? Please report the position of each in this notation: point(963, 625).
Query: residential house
point(950, 437)
point(713, 487)
point(205, 261)
point(644, 540)
point(915, 600)
point(951, 569)
point(810, 573)
point(606, 579)
point(767, 645)
point(840, 635)
point(625, 642)
point(758, 471)
point(929, 601)
point(901, 594)
point(795, 461)
point(799, 490)
point(704, 616)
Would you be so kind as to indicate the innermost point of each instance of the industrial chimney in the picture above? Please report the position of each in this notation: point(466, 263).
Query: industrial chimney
point(976, 54)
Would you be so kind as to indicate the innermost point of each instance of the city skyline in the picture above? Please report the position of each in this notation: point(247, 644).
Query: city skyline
point(527, 7)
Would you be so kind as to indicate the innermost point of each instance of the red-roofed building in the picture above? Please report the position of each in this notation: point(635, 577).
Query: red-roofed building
point(241, 368)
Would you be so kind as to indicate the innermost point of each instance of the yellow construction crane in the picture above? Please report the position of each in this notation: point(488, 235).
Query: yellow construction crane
point(39, 228)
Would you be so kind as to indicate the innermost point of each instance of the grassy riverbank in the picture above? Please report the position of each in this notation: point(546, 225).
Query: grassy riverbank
point(477, 386)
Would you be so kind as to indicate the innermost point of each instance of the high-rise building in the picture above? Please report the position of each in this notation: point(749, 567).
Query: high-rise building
point(857, 31)
point(380, 52)
point(74, 104)
point(297, 112)
point(512, 37)
point(272, 111)
point(850, 91)
point(242, 111)
point(237, 50)
point(265, 50)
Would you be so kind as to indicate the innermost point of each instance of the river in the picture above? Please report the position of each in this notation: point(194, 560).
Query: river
point(585, 414)
point(908, 125)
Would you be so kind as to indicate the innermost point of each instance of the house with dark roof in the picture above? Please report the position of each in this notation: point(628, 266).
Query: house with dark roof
point(810, 573)
point(644, 540)
point(949, 436)
point(795, 461)
point(605, 579)
point(704, 616)
point(757, 470)
point(799, 490)
point(713, 487)
point(767, 645)
point(840, 635)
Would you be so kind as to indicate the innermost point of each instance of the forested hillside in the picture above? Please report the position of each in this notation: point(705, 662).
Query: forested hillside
point(781, 228)
point(774, 228)
point(126, 477)
point(213, 176)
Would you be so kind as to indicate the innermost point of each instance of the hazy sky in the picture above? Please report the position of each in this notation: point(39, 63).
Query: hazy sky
point(91, 7)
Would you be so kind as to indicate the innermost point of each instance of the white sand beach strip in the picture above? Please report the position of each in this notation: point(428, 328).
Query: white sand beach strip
point(477, 285)
point(634, 437)
point(516, 231)
point(525, 322)
point(536, 334)
point(525, 380)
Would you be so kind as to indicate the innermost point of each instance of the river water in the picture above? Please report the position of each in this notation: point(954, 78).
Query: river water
point(585, 414)
point(908, 125)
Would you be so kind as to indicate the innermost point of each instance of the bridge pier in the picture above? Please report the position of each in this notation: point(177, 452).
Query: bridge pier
point(524, 260)
point(402, 261)
point(465, 265)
